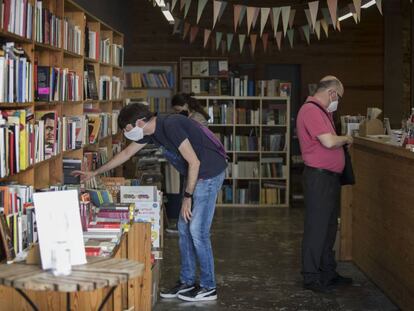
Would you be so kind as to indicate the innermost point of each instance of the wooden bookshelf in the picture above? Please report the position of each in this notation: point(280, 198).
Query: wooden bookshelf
point(230, 122)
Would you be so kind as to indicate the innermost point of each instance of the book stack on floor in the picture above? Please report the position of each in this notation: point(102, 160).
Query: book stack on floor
point(48, 26)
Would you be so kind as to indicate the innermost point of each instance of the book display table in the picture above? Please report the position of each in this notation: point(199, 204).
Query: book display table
point(96, 274)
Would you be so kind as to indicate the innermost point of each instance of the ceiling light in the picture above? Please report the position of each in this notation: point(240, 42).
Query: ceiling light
point(343, 17)
point(160, 3)
point(166, 11)
point(368, 4)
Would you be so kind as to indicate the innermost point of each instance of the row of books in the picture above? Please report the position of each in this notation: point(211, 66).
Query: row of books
point(221, 114)
point(72, 37)
point(274, 142)
point(105, 50)
point(212, 87)
point(205, 68)
point(48, 26)
point(16, 75)
point(273, 88)
point(152, 79)
point(109, 88)
point(75, 132)
point(249, 195)
point(99, 125)
point(57, 84)
point(159, 104)
point(246, 142)
point(273, 167)
point(245, 169)
point(273, 193)
point(17, 17)
point(117, 55)
point(247, 116)
point(225, 195)
point(274, 114)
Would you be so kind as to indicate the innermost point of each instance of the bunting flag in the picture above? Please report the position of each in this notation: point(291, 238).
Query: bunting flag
point(187, 7)
point(222, 8)
point(318, 29)
point(237, 11)
point(325, 27)
point(207, 33)
point(306, 32)
point(200, 9)
point(308, 17)
point(353, 11)
point(173, 4)
point(313, 8)
point(242, 14)
point(219, 35)
point(357, 5)
point(285, 18)
point(253, 41)
point(333, 6)
point(182, 4)
point(256, 15)
point(338, 25)
point(250, 16)
point(242, 39)
point(275, 18)
point(327, 16)
point(291, 18)
point(264, 15)
point(177, 26)
point(186, 29)
point(229, 41)
point(290, 34)
point(279, 39)
point(216, 11)
point(379, 5)
point(193, 33)
point(265, 40)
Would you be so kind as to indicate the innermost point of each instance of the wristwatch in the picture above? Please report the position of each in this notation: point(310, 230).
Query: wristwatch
point(188, 195)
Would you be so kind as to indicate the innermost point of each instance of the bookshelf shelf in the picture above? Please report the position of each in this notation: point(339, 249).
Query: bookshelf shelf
point(91, 60)
point(204, 77)
point(262, 139)
point(14, 37)
point(46, 47)
point(70, 54)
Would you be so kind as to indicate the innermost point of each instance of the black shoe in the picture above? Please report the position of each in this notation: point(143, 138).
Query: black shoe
point(178, 289)
point(199, 294)
point(340, 280)
point(317, 287)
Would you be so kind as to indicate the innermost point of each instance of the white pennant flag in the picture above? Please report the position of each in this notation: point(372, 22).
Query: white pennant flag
point(379, 5)
point(285, 18)
point(242, 38)
point(173, 4)
point(279, 39)
point(318, 29)
point(250, 16)
point(264, 15)
point(290, 34)
point(207, 33)
point(357, 5)
point(308, 17)
point(187, 7)
point(306, 32)
point(313, 8)
point(276, 16)
point(229, 41)
point(216, 11)
point(219, 35)
point(256, 15)
point(200, 9)
point(325, 27)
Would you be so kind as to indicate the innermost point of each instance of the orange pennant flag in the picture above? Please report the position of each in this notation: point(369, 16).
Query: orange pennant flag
point(256, 15)
point(253, 40)
point(338, 25)
point(182, 4)
point(186, 29)
point(207, 33)
point(237, 10)
point(250, 16)
point(292, 18)
point(265, 40)
point(264, 15)
point(333, 6)
point(279, 39)
point(193, 33)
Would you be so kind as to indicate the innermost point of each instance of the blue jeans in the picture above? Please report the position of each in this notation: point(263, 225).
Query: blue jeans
point(195, 235)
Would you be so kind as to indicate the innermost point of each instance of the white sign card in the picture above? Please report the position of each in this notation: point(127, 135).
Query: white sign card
point(58, 219)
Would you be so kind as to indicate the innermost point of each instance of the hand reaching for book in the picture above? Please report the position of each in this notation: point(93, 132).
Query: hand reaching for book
point(84, 176)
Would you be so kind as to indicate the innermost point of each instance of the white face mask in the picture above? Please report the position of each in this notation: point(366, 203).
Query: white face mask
point(137, 133)
point(333, 106)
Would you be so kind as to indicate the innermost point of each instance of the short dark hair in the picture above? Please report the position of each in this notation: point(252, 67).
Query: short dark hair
point(49, 115)
point(133, 112)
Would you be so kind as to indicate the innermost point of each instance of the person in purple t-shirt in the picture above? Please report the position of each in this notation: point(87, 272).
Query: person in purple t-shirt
point(323, 154)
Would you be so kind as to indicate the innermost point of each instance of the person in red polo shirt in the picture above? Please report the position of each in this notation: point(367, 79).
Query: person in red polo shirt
point(323, 154)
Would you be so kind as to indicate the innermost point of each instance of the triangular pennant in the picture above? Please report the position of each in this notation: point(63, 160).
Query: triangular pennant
point(229, 41)
point(352, 10)
point(275, 18)
point(308, 17)
point(325, 27)
point(306, 32)
point(242, 39)
point(333, 7)
point(177, 26)
point(256, 15)
point(318, 29)
point(242, 14)
point(279, 39)
point(253, 41)
point(216, 11)
point(193, 33)
point(285, 18)
point(264, 15)
point(327, 16)
point(173, 4)
point(291, 18)
point(290, 34)
point(187, 7)
point(207, 33)
point(186, 29)
point(182, 4)
point(357, 5)
point(237, 10)
point(219, 35)
point(222, 8)
point(200, 9)
point(265, 40)
point(379, 5)
point(338, 25)
point(313, 8)
point(250, 16)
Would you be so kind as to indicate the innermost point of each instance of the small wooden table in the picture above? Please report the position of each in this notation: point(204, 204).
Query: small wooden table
point(97, 273)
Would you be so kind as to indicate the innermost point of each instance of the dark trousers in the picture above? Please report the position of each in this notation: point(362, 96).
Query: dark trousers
point(322, 200)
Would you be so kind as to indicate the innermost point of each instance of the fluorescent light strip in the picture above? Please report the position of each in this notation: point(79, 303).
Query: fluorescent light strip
point(168, 16)
point(368, 4)
point(160, 3)
point(343, 17)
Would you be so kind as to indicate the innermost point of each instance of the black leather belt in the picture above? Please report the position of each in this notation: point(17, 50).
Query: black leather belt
point(323, 171)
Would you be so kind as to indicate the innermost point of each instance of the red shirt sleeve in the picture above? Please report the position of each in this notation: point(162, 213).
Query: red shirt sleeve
point(316, 123)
